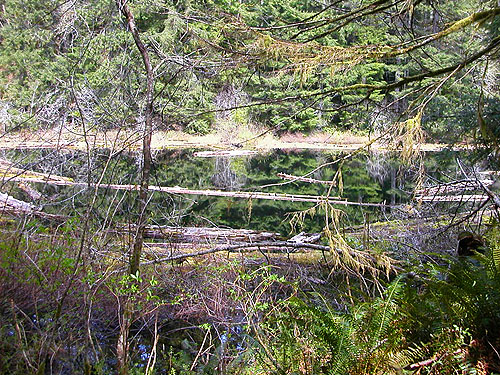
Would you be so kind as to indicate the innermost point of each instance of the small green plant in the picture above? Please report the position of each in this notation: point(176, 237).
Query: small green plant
point(434, 321)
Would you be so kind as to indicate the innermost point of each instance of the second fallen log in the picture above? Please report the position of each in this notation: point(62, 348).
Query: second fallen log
point(203, 234)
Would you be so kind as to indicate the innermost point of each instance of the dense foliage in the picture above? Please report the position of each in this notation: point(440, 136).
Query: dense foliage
point(64, 61)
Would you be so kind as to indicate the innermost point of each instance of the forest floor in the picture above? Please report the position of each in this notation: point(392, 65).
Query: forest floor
point(131, 140)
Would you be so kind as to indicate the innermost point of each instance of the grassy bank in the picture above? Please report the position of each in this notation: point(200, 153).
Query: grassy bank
point(255, 139)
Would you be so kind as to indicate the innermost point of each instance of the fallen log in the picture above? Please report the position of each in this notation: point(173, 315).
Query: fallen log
point(36, 145)
point(228, 153)
point(453, 198)
point(15, 207)
point(247, 246)
point(6, 201)
point(11, 173)
point(454, 187)
point(175, 249)
point(54, 180)
point(35, 213)
point(304, 237)
point(32, 193)
point(202, 234)
point(269, 246)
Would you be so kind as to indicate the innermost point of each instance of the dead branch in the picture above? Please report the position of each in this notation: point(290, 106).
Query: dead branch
point(418, 365)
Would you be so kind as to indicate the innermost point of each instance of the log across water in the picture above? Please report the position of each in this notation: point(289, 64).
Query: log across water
point(206, 192)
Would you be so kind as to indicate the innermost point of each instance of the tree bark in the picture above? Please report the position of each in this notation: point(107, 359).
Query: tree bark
point(200, 234)
point(136, 250)
point(146, 140)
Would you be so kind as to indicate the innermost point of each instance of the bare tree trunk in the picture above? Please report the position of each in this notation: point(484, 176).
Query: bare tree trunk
point(146, 139)
point(122, 346)
point(135, 255)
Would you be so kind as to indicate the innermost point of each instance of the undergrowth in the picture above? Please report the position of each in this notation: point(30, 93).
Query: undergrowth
point(242, 316)
point(432, 319)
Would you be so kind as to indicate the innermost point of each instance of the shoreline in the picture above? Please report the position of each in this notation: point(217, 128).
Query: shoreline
point(127, 140)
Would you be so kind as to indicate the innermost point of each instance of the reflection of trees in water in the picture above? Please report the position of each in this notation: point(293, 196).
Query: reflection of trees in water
point(320, 160)
point(378, 166)
point(224, 176)
point(382, 167)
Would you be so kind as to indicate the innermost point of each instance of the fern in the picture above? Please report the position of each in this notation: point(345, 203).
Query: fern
point(435, 318)
point(385, 312)
point(339, 343)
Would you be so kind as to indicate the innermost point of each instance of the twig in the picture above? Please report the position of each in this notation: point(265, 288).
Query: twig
point(492, 347)
point(199, 351)
point(152, 357)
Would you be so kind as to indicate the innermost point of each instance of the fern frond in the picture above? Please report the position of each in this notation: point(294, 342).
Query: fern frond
point(408, 356)
point(495, 253)
point(384, 316)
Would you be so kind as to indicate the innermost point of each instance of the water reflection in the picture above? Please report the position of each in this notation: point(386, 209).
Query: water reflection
point(225, 177)
point(374, 177)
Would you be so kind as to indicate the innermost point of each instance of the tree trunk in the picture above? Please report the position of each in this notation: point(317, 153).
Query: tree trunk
point(146, 140)
point(135, 254)
point(393, 186)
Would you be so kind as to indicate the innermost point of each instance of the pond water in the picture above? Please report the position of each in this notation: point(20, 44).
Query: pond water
point(373, 177)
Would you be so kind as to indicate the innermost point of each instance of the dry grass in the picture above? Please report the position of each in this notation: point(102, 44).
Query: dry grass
point(331, 138)
point(249, 136)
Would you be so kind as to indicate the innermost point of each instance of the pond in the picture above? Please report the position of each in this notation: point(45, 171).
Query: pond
point(370, 177)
